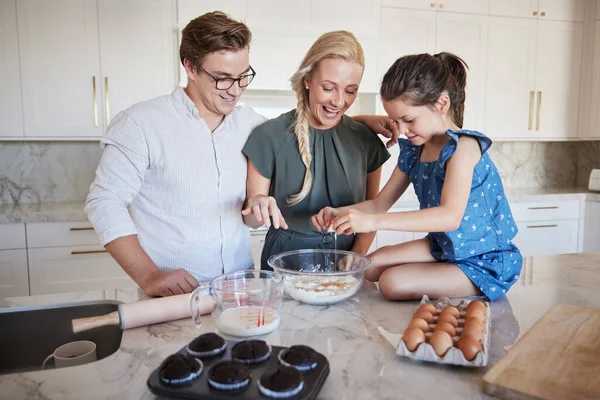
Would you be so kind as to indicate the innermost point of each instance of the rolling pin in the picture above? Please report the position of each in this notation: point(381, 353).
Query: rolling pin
point(145, 312)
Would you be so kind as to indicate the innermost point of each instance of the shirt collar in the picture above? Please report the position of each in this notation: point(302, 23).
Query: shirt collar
point(184, 100)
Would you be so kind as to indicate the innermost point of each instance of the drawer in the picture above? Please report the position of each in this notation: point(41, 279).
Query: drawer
point(14, 280)
point(546, 210)
point(53, 234)
point(74, 269)
point(547, 237)
point(12, 236)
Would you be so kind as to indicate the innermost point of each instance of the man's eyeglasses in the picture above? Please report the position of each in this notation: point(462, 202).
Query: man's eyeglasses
point(226, 83)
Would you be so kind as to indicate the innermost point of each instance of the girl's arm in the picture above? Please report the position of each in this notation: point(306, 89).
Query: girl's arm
point(391, 192)
point(259, 206)
point(444, 218)
point(363, 241)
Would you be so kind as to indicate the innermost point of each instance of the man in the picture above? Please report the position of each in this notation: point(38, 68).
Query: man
point(176, 163)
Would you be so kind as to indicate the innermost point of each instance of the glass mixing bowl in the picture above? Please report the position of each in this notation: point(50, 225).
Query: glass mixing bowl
point(320, 276)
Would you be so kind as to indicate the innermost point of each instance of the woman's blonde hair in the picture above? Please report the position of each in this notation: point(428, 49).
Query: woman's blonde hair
point(336, 44)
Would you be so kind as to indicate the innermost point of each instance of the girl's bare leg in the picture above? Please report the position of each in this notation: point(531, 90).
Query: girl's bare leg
point(415, 251)
point(435, 279)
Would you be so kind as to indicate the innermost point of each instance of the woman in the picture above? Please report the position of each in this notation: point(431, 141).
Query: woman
point(314, 156)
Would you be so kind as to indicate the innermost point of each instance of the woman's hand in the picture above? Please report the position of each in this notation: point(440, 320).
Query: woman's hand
point(322, 221)
point(382, 125)
point(264, 208)
point(352, 221)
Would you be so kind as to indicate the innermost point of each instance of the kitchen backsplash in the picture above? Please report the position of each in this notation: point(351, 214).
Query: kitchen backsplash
point(33, 172)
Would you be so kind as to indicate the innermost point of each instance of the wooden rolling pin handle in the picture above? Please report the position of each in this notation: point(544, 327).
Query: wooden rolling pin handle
point(85, 324)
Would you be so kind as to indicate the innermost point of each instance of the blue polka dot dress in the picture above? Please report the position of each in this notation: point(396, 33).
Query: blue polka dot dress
point(482, 246)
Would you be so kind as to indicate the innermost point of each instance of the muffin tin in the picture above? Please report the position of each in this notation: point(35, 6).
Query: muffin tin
point(313, 373)
point(426, 350)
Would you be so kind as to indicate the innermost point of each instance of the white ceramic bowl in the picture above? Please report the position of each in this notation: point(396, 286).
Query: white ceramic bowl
point(320, 277)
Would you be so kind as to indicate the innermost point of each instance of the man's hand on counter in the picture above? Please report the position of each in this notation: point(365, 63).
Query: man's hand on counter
point(169, 283)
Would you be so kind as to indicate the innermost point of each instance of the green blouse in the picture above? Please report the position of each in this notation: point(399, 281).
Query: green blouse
point(342, 157)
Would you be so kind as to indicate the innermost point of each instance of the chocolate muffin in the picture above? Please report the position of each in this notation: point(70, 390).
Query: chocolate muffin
point(251, 351)
point(180, 369)
point(281, 383)
point(207, 345)
point(301, 357)
point(229, 376)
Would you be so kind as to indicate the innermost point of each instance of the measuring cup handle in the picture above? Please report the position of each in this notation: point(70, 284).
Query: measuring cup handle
point(195, 303)
point(46, 360)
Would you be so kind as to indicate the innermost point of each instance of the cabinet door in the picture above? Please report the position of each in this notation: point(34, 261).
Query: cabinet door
point(11, 112)
point(275, 68)
point(257, 242)
point(143, 32)
point(13, 273)
point(514, 8)
point(510, 78)
point(466, 36)
point(74, 269)
point(592, 227)
point(60, 67)
point(414, 4)
point(282, 16)
point(595, 101)
point(558, 78)
point(360, 17)
point(547, 237)
point(465, 6)
point(187, 10)
point(562, 10)
point(404, 32)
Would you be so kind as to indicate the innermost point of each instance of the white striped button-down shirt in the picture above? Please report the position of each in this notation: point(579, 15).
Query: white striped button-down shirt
point(165, 177)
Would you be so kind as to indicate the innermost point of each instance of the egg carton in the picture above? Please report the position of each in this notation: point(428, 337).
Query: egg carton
point(453, 356)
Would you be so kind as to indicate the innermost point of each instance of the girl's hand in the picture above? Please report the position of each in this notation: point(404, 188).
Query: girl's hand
point(322, 221)
point(353, 221)
point(264, 207)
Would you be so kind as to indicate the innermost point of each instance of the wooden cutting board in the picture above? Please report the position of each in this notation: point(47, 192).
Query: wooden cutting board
point(558, 358)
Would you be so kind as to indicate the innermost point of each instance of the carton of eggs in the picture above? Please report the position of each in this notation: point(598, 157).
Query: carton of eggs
point(448, 333)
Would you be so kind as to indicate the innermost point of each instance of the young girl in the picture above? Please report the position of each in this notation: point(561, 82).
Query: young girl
point(469, 248)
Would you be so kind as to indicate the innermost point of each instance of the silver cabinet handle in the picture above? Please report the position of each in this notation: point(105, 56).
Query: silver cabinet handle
point(543, 208)
point(76, 253)
point(95, 101)
point(542, 226)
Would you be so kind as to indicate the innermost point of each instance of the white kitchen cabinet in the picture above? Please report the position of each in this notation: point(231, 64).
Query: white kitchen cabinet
point(60, 67)
point(13, 273)
point(55, 234)
point(397, 25)
point(142, 32)
point(557, 10)
point(12, 236)
point(82, 61)
point(558, 78)
point(74, 269)
point(594, 121)
point(547, 237)
point(11, 112)
point(533, 79)
point(461, 6)
point(592, 227)
point(466, 36)
point(187, 10)
point(257, 242)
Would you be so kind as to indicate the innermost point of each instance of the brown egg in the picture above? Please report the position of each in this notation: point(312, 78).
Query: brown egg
point(451, 310)
point(469, 346)
point(476, 305)
point(475, 322)
point(448, 318)
point(426, 315)
point(440, 341)
point(413, 337)
point(446, 327)
point(428, 307)
point(475, 313)
point(472, 330)
point(419, 323)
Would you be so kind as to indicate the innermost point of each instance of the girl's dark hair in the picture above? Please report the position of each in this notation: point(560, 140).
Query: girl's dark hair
point(421, 78)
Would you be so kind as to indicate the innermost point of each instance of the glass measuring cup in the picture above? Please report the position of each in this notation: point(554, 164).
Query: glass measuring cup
point(246, 303)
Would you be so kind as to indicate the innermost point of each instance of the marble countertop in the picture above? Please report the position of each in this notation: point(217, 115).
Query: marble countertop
point(363, 364)
point(73, 211)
